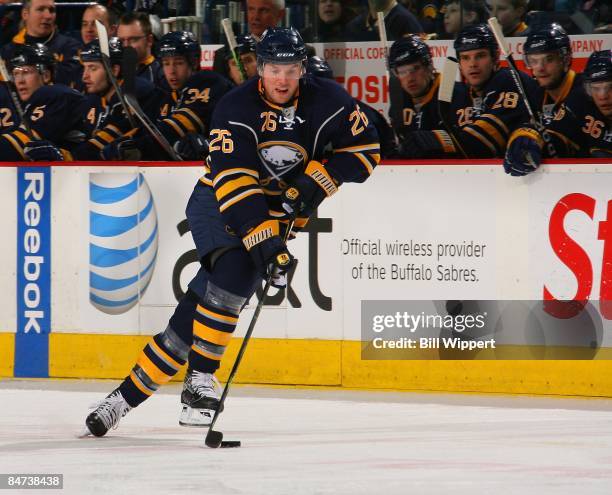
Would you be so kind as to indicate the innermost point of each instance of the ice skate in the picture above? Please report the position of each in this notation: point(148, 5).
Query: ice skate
point(107, 414)
point(200, 398)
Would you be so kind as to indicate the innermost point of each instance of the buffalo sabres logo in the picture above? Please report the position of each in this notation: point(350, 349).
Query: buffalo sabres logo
point(279, 157)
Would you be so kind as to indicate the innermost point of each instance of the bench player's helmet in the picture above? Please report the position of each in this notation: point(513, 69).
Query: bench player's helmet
point(181, 44)
point(319, 67)
point(599, 66)
point(475, 37)
point(91, 52)
point(409, 50)
point(36, 55)
point(245, 43)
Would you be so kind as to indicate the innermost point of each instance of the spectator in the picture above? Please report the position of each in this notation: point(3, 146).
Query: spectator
point(9, 22)
point(474, 12)
point(510, 14)
point(88, 23)
point(135, 30)
point(426, 11)
point(264, 14)
point(261, 15)
point(333, 17)
point(39, 27)
point(399, 21)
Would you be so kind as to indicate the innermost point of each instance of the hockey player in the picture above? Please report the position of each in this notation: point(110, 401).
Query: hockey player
point(597, 121)
point(53, 111)
point(548, 54)
point(491, 114)
point(9, 118)
point(193, 97)
point(268, 134)
point(245, 49)
point(105, 120)
point(414, 102)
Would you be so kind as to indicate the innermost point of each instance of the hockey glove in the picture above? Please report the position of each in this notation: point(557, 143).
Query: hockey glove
point(120, 149)
point(269, 252)
point(427, 144)
point(523, 152)
point(308, 190)
point(192, 146)
point(43, 151)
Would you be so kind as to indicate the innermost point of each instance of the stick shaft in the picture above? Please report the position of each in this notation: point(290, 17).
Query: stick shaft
point(231, 41)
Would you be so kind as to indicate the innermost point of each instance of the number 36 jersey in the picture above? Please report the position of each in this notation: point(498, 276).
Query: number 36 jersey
point(257, 148)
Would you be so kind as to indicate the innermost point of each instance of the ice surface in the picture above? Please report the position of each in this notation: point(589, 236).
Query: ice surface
point(312, 441)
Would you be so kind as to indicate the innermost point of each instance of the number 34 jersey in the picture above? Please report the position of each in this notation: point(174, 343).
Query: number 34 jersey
point(257, 148)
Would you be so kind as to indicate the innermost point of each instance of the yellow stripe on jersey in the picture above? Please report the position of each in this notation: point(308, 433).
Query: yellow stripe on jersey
point(233, 185)
point(206, 180)
point(362, 147)
point(21, 136)
point(211, 335)
point(497, 121)
point(365, 162)
point(15, 144)
point(238, 198)
point(184, 121)
point(481, 138)
point(233, 171)
point(191, 114)
point(232, 320)
point(176, 128)
point(491, 131)
point(105, 136)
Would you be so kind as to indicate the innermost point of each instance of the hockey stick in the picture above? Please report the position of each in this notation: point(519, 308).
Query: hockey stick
point(382, 36)
point(214, 439)
point(448, 77)
point(231, 41)
point(505, 49)
point(128, 69)
point(13, 92)
point(103, 39)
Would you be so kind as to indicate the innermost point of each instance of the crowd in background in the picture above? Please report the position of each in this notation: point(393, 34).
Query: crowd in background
point(181, 101)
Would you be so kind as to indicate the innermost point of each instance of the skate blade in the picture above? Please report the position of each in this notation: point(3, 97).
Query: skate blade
point(84, 433)
point(196, 418)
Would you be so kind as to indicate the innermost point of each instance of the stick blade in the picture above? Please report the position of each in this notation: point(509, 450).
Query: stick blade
point(213, 439)
point(448, 78)
point(129, 63)
point(103, 37)
point(499, 35)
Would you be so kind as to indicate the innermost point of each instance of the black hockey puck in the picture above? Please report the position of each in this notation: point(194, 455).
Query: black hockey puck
point(228, 444)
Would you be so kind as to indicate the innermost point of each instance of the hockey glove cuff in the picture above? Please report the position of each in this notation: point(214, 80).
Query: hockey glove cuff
point(308, 190)
point(269, 252)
